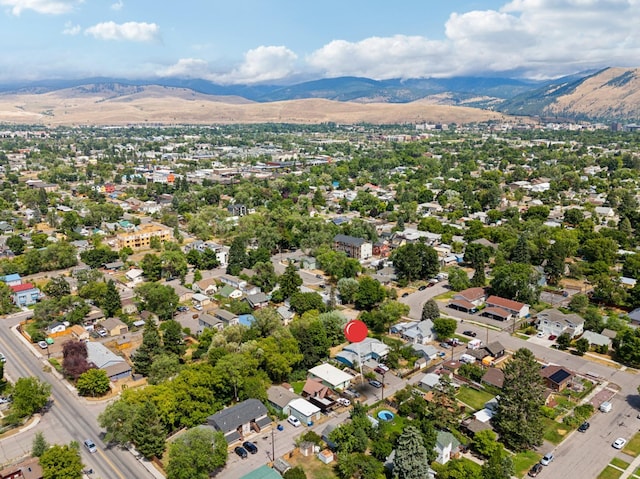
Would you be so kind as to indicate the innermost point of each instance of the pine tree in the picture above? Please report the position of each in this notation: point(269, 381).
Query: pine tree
point(112, 302)
point(237, 256)
point(148, 435)
point(411, 460)
point(521, 252)
point(430, 310)
point(518, 418)
point(290, 281)
point(151, 346)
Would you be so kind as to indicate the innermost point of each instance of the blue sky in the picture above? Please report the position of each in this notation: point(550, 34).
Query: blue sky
point(279, 41)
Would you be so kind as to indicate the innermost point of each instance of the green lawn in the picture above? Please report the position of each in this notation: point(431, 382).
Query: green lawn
point(619, 462)
point(523, 461)
point(297, 386)
point(472, 397)
point(609, 473)
point(633, 446)
point(554, 431)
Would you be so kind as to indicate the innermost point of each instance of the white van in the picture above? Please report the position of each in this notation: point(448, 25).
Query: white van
point(606, 406)
point(467, 358)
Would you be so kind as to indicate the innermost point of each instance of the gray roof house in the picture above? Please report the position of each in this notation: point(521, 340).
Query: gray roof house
point(239, 421)
point(597, 339)
point(419, 332)
point(552, 321)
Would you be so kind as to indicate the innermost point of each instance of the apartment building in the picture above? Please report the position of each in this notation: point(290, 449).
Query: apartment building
point(141, 238)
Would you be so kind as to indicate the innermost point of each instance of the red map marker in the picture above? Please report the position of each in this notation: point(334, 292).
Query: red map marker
point(355, 331)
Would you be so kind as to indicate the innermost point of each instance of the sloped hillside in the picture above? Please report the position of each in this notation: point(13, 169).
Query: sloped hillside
point(613, 93)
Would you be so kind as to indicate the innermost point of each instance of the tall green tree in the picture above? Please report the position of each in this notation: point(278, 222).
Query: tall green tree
point(39, 445)
point(158, 298)
point(518, 417)
point(516, 281)
point(498, 466)
point(62, 462)
point(116, 421)
point(57, 287)
point(196, 454)
point(411, 460)
point(151, 264)
point(112, 302)
point(94, 383)
point(370, 293)
point(415, 261)
point(150, 348)
point(445, 327)
point(172, 338)
point(290, 281)
point(238, 257)
point(430, 310)
point(148, 435)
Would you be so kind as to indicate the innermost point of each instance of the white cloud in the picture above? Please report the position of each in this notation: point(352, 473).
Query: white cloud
point(535, 38)
point(265, 63)
point(186, 68)
point(71, 29)
point(117, 6)
point(48, 7)
point(130, 31)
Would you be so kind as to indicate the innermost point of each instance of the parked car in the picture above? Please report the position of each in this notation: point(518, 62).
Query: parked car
point(102, 333)
point(251, 447)
point(535, 470)
point(540, 334)
point(553, 337)
point(294, 421)
point(404, 295)
point(379, 370)
point(444, 345)
point(241, 451)
point(546, 459)
point(43, 344)
point(375, 384)
point(468, 332)
point(351, 393)
point(584, 426)
point(198, 307)
point(619, 443)
point(422, 288)
point(3, 359)
point(343, 402)
point(384, 367)
point(4, 400)
point(182, 309)
point(89, 444)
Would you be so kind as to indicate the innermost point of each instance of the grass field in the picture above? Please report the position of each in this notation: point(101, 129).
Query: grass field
point(313, 467)
point(475, 399)
point(609, 473)
point(619, 463)
point(554, 431)
point(633, 446)
point(523, 461)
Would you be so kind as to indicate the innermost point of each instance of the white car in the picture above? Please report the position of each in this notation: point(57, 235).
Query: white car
point(294, 421)
point(89, 444)
point(3, 359)
point(546, 459)
point(540, 334)
point(343, 402)
point(619, 443)
point(43, 344)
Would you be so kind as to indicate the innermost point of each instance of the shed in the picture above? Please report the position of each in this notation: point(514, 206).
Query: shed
point(304, 410)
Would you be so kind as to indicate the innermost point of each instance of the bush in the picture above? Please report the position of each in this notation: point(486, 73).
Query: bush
point(548, 412)
point(584, 411)
point(571, 420)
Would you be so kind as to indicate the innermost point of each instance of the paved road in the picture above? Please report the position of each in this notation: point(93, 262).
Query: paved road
point(416, 300)
point(70, 418)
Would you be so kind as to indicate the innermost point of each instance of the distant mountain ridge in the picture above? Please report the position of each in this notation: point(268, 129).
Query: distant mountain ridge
point(608, 94)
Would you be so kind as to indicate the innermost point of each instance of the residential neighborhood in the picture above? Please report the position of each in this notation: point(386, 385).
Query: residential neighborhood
point(197, 282)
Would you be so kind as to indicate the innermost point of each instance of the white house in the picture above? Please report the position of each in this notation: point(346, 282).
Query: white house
point(331, 376)
point(554, 322)
point(415, 332)
point(446, 444)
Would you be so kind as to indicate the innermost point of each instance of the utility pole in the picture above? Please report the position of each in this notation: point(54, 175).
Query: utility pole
point(273, 445)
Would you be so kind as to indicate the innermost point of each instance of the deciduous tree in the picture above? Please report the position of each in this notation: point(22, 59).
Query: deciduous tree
point(94, 383)
point(430, 310)
point(197, 454)
point(61, 462)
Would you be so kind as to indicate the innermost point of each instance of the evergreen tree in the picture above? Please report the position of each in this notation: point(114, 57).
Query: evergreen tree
point(172, 337)
point(518, 418)
point(411, 460)
point(148, 435)
point(498, 466)
point(479, 279)
point(40, 445)
point(290, 281)
point(521, 252)
point(238, 258)
point(151, 346)
point(112, 302)
point(430, 310)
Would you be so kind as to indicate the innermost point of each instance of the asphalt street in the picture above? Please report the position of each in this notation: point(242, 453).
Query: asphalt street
point(69, 418)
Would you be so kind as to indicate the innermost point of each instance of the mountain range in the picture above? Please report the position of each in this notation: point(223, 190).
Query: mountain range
point(612, 94)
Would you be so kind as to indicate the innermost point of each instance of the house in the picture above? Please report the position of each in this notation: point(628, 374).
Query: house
point(225, 316)
point(381, 249)
point(597, 339)
point(258, 300)
point(426, 351)
point(206, 286)
point(475, 296)
point(264, 472)
point(11, 279)
point(495, 349)
point(315, 388)
point(463, 305)
point(279, 397)
point(184, 293)
point(207, 321)
point(200, 299)
point(113, 266)
point(430, 381)
point(419, 332)
point(358, 353)
point(557, 378)
point(141, 238)
point(634, 316)
point(228, 291)
point(493, 377)
point(103, 358)
point(26, 469)
point(56, 327)
point(114, 326)
point(237, 209)
point(553, 321)
point(233, 281)
point(354, 247)
point(304, 410)
point(285, 314)
point(331, 376)
point(135, 275)
point(519, 310)
point(446, 446)
point(5, 228)
point(25, 294)
point(239, 421)
point(497, 313)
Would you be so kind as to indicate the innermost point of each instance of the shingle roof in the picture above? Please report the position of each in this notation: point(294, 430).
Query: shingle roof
point(231, 418)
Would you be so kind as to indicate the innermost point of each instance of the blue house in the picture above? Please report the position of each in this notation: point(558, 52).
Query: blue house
point(25, 294)
point(11, 279)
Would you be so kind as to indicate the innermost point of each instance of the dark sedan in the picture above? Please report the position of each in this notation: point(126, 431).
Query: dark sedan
point(241, 451)
point(251, 447)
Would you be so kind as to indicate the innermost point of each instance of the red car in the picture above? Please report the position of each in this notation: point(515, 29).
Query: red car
point(552, 337)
